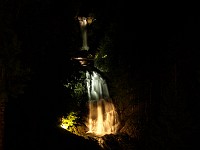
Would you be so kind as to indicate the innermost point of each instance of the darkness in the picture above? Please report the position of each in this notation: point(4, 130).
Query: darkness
point(151, 40)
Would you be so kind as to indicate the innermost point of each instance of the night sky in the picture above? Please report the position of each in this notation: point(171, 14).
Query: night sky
point(150, 37)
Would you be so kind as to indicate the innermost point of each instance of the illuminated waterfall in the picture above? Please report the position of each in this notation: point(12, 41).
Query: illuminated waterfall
point(102, 119)
point(83, 26)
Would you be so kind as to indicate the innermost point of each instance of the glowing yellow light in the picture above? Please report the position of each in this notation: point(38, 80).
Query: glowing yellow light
point(105, 120)
point(89, 20)
point(64, 126)
point(78, 58)
point(69, 121)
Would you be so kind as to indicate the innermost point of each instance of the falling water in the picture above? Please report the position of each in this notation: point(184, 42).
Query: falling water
point(83, 26)
point(103, 118)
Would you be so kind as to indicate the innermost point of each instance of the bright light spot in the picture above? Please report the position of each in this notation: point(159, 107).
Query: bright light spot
point(104, 56)
point(64, 126)
point(78, 58)
point(82, 21)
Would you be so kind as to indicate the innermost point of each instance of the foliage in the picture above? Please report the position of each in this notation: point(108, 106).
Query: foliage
point(103, 55)
point(70, 121)
point(76, 86)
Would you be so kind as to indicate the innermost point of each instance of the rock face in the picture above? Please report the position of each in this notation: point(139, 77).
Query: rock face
point(128, 135)
point(132, 121)
point(131, 128)
point(117, 142)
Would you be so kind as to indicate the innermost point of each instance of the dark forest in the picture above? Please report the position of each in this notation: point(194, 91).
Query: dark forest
point(152, 68)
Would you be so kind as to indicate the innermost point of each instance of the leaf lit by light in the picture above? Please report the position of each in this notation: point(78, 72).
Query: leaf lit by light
point(104, 56)
point(69, 121)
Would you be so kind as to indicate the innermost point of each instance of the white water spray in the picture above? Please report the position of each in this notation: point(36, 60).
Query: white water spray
point(102, 119)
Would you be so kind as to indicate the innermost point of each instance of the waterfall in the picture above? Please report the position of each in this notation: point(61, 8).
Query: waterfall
point(83, 26)
point(102, 118)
